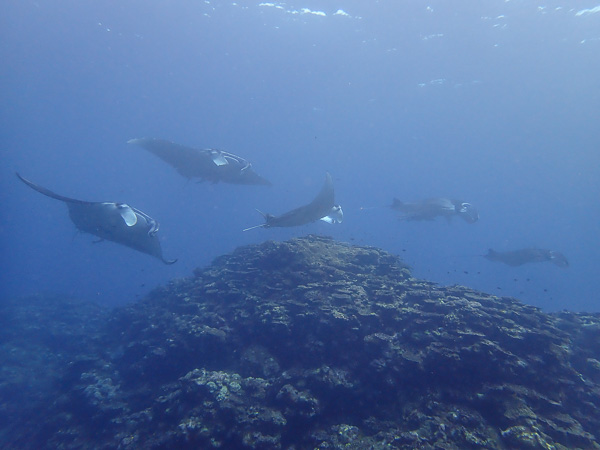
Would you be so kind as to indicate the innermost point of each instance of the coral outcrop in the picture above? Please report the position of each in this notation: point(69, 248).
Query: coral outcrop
point(312, 343)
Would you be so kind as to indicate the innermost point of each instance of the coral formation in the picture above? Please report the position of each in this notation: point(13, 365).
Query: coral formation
point(311, 343)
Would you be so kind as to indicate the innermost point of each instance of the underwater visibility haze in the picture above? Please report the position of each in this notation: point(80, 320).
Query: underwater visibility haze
point(459, 143)
point(493, 104)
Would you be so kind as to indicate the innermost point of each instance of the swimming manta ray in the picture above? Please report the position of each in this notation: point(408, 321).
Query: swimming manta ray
point(206, 164)
point(321, 208)
point(117, 222)
point(527, 255)
point(431, 208)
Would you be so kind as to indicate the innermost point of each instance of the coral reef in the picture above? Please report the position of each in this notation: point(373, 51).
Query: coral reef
point(311, 343)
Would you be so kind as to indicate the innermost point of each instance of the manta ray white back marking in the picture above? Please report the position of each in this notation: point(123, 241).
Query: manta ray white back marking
point(127, 213)
point(218, 158)
point(336, 215)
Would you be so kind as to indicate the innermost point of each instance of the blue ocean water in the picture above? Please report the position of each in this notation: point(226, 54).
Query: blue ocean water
point(495, 103)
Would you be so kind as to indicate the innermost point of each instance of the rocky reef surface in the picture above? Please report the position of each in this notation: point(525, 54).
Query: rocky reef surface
point(308, 343)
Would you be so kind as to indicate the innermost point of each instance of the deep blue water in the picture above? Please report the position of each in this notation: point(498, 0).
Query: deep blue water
point(495, 103)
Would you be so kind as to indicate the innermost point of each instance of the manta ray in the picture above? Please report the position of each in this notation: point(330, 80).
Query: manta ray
point(206, 164)
point(117, 222)
point(321, 208)
point(431, 208)
point(527, 255)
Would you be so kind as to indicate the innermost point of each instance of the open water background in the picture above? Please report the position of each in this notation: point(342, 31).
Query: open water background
point(495, 103)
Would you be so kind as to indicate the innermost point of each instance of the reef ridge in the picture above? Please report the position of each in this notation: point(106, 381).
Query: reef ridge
point(308, 343)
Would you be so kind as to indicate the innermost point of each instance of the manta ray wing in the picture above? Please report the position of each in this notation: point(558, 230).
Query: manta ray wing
point(49, 193)
point(189, 162)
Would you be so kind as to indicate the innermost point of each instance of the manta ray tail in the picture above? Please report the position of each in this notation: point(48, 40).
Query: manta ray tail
point(48, 192)
point(262, 225)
